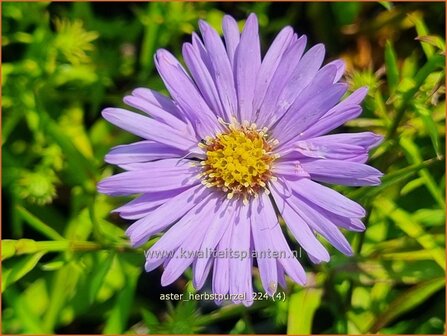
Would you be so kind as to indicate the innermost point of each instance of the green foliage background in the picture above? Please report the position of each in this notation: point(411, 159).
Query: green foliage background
point(66, 264)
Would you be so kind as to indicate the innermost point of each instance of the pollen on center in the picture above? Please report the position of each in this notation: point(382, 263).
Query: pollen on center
point(239, 160)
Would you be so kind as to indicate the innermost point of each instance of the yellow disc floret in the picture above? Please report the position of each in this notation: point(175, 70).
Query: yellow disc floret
point(239, 160)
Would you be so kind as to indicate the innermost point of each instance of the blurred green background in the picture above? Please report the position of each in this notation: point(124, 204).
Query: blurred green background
point(67, 266)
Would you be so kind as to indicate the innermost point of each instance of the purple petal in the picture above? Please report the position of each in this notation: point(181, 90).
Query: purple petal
point(146, 202)
point(169, 174)
point(321, 225)
point(286, 258)
point(367, 140)
point(156, 112)
point(351, 224)
point(327, 198)
point(293, 124)
point(203, 79)
point(158, 100)
point(270, 63)
point(302, 76)
point(320, 149)
point(262, 237)
point(342, 172)
point(299, 228)
point(148, 128)
point(329, 122)
point(164, 216)
point(281, 275)
point(289, 61)
point(200, 278)
point(247, 63)
point(231, 36)
point(221, 271)
point(222, 70)
point(142, 151)
point(341, 66)
point(213, 236)
point(185, 93)
point(199, 47)
point(291, 169)
point(240, 268)
point(354, 98)
point(191, 241)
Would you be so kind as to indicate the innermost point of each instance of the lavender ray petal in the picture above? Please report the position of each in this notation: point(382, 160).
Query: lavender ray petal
point(141, 151)
point(156, 113)
point(289, 61)
point(261, 230)
point(330, 122)
point(327, 198)
point(301, 231)
point(222, 70)
point(270, 63)
point(292, 125)
point(192, 239)
point(286, 259)
point(246, 67)
point(148, 128)
point(321, 225)
point(231, 36)
point(203, 79)
point(214, 234)
point(169, 174)
point(185, 93)
point(342, 172)
point(240, 268)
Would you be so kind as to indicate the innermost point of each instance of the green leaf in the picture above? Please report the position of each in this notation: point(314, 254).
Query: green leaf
point(414, 156)
point(407, 301)
point(422, 30)
point(116, 323)
point(100, 274)
point(302, 308)
point(388, 5)
point(430, 126)
point(19, 268)
point(412, 228)
point(392, 70)
point(29, 322)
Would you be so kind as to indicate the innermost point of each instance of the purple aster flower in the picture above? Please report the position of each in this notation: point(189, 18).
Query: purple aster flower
point(240, 142)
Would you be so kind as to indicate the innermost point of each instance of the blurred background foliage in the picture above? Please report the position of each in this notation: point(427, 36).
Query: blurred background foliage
point(66, 264)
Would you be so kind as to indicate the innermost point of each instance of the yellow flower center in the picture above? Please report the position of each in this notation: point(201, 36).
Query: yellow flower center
point(238, 161)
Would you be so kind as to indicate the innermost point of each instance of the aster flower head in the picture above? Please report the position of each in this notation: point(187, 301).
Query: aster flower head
point(239, 142)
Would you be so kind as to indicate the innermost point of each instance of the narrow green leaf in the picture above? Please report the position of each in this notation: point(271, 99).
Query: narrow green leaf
point(407, 301)
point(412, 228)
point(414, 156)
point(117, 321)
point(422, 30)
point(392, 70)
point(302, 308)
point(100, 274)
point(430, 126)
point(19, 269)
point(388, 5)
point(63, 284)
